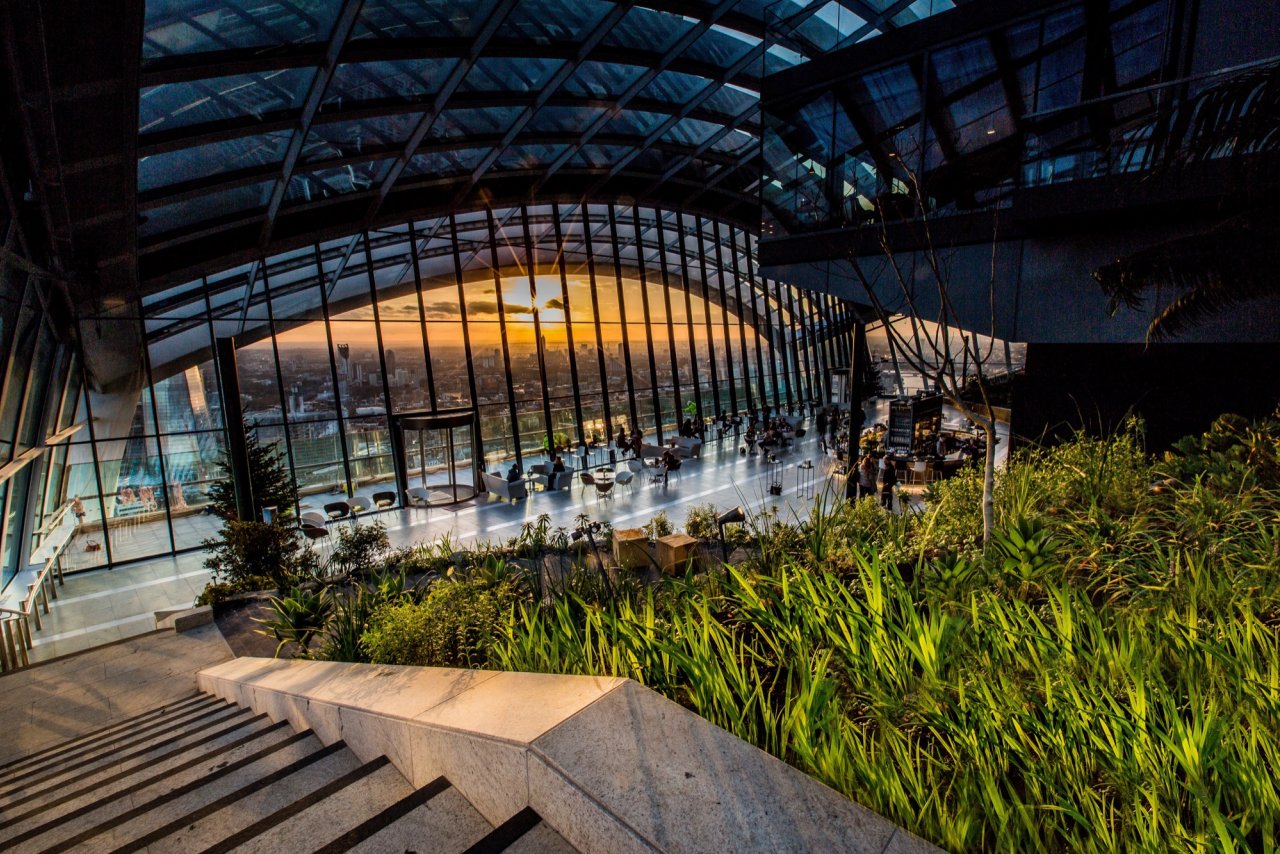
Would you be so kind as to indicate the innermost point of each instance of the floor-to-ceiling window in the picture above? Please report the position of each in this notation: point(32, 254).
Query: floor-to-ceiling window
point(555, 324)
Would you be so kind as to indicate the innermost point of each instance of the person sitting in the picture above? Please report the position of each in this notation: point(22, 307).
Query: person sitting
point(620, 441)
point(514, 473)
point(558, 465)
point(751, 440)
point(670, 462)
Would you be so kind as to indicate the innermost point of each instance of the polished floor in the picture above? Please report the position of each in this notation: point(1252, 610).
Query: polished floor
point(103, 606)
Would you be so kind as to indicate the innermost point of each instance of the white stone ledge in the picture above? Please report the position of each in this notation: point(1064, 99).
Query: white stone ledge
point(611, 765)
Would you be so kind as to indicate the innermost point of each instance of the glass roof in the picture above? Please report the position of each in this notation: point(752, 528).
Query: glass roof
point(252, 111)
point(969, 120)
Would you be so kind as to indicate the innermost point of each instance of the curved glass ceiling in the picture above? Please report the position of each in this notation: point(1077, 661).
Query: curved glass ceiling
point(254, 114)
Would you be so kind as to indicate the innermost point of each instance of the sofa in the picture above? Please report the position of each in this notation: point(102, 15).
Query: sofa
point(503, 488)
point(552, 480)
point(688, 446)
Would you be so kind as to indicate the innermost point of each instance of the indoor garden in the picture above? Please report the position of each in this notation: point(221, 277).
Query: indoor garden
point(1105, 675)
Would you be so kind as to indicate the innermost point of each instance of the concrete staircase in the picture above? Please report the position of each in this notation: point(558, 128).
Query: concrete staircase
point(202, 775)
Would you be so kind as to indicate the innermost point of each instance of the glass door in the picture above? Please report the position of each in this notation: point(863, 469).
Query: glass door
point(438, 462)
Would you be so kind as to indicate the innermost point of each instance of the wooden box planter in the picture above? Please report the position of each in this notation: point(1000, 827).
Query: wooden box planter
point(631, 548)
point(675, 551)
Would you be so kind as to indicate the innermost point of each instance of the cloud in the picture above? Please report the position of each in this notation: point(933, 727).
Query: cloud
point(555, 304)
point(443, 310)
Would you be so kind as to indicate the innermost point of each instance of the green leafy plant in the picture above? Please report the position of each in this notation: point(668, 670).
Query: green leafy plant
point(657, 527)
point(700, 522)
point(256, 550)
point(297, 618)
point(269, 475)
point(361, 548)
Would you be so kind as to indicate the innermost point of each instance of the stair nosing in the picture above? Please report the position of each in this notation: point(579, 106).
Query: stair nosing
point(238, 794)
point(211, 717)
point(181, 791)
point(288, 811)
point(142, 784)
point(505, 835)
point(78, 742)
point(384, 818)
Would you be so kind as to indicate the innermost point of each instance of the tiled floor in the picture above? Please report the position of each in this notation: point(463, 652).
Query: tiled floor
point(102, 606)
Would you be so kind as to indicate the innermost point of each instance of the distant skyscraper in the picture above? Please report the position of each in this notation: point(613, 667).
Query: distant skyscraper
point(344, 351)
point(391, 363)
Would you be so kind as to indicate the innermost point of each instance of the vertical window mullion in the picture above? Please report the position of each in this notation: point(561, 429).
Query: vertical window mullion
point(589, 246)
point(678, 398)
point(648, 324)
point(568, 322)
point(688, 318)
point(622, 316)
point(422, 316)
point(724, 310)
point(466, 331)
point(284, 409)
point(333, 365)
point(502, 331)
point(530, 260)
point(706, 309)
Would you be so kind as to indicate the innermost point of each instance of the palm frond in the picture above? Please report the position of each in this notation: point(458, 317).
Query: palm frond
point(1235, 117)
point(1230, 264)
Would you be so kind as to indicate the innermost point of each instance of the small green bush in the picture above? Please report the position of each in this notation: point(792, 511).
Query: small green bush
point(361, 548)
point(259, 550)
point(700, 522)
point(454, 626)
point(659, 526)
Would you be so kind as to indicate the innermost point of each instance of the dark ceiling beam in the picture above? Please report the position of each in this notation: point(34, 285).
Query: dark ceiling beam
point(152, 199)
point(729, 128)
point(712, 86)
point(207, 66)
point(1099, 77)
point(176, 140)
point(681, 44)
point(495, 14)
point(932, 103)
point(553, 84)
point(342, 28)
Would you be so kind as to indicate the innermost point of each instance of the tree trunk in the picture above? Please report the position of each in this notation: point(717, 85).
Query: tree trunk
point(989, 479)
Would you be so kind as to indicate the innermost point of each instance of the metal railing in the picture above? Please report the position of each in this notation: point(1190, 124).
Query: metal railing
point(15, 623)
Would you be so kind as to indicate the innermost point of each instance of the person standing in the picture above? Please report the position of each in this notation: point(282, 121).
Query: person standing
point(888, 480)
point(867, 477)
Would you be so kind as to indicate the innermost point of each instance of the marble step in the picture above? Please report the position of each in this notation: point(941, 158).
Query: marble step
point(251, 809)
point(434, 818)
point(139, 811)
point(53, 755)
point(239, 737)
point(31, 778)
point(524, 832)
point(310, 825)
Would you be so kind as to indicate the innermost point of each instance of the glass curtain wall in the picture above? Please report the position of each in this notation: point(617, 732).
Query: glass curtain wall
point(557, 323)
point(41, 399)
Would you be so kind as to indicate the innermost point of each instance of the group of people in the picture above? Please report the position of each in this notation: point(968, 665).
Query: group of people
point(768, 434)
point(862, 480)
point(632, 442)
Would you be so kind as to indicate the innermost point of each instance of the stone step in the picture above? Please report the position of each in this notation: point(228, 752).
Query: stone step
point(53, 755)
point(238, 737)
point(176, 732)
point(141, 810)
point(525, 832)
point(315, 822)
point(62, 762)
point(434, 818)
point(253, 807)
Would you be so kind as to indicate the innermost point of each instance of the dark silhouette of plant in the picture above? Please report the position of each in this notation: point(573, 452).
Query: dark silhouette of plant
point(1236, 120)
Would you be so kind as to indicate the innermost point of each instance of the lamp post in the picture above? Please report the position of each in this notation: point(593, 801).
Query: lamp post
point(736, 516)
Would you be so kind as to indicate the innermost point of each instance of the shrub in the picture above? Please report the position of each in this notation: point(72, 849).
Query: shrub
point(361, 548)
point(259, 550)
point(659, 526)
point(700, 522)
point(453, 626)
